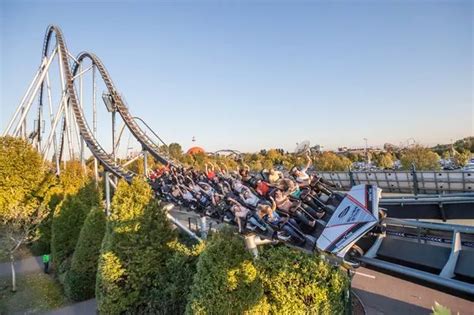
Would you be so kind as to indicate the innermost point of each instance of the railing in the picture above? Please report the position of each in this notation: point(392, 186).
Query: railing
point(413, 181)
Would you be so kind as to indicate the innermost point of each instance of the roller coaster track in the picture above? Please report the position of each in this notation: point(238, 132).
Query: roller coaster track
point(121, 108)
point(84, 129)
point(119, 105)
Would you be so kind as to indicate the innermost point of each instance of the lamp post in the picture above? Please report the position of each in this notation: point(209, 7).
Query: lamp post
point(366, 153)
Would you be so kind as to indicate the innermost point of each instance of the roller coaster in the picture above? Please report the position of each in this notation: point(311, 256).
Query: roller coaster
point(440, 254)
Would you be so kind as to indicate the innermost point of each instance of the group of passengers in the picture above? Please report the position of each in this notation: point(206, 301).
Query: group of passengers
point(290, 208)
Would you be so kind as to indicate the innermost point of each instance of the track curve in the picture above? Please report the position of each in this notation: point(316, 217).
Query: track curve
point(121, 108)
point(105, 159)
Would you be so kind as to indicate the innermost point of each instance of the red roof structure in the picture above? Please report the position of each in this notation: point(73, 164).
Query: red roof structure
point(195, 150)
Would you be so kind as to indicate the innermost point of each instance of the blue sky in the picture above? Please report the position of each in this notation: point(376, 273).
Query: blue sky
point(250, 75)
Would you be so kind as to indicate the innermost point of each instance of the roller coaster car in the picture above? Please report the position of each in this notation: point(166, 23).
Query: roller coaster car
point(354, 217)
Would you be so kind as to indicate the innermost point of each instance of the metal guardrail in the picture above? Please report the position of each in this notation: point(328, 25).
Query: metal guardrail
point(427, 182)
point(440, 264)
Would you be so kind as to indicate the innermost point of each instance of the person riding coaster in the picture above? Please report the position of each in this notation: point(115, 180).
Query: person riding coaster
point(338, 220)
point(286, 228)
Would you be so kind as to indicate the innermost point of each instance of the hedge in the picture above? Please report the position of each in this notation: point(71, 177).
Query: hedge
point(67, 223)
point(80, 280)
point(171, 295)
point(134, 251)
point(281, 281)
point(298, 283)
point(226, 281)
point(72, 178)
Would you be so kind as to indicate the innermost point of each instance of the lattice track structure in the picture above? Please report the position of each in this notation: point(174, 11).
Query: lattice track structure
point(70, 111)
point(68, 124)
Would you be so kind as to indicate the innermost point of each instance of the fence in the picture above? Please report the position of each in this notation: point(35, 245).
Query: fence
point(406, 181)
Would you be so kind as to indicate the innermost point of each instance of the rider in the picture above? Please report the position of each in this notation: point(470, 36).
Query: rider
point(301, 176)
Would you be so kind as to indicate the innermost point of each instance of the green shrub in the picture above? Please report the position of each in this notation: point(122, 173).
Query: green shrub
point(298, 283)
point(171, 295)
point(226, 281)
point(79, 284)
point(423, 158)
point(134, 251)
point(67, 223)
point(72, 178)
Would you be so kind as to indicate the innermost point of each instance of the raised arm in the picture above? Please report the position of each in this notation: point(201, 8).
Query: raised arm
point(308, 162)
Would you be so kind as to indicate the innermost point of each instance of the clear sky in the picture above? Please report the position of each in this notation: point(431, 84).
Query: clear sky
point(250, 75)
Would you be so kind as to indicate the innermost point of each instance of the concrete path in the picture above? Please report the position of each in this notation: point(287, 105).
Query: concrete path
point(27, 265)
point(383, 294)
point(88, 307)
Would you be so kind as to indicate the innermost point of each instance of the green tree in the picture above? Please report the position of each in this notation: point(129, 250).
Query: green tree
point(79, 283)
point(171, 295)
point(134, 251)
point(226, 281)
point(462, 158)
point(423, 158)
point(329, 161)
point(67, 223)
point(71, 179)
point(24, 183)
point(175, 150)
point(298, 283)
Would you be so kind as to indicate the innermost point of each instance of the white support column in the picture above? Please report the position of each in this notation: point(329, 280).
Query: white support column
point(53, 128)
point(66, 109)
point(448, 269)
point(107, 192)
point(55, 123)
point(20, 106)
point(26, 107)
point(250, 244)
point(145, 163)
point(203, 227)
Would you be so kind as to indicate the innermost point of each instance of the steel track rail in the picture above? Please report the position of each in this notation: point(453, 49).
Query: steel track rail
point(105, 159)
point(122, 109)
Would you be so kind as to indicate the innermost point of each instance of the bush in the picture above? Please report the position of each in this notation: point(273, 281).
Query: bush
point(72, 179)
point(298, 283)
point(422, 158)
point(329, 161)
point(79, 284)
point(171, 296)
point(134, 251)
point(67, 223)
point(226, 281)
point(23, 178)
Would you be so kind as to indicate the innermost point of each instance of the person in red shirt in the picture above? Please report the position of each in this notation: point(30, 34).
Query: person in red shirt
point(262, 188)
point(210, 173)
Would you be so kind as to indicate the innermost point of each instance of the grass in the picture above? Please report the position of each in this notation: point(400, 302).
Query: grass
point(35, 293)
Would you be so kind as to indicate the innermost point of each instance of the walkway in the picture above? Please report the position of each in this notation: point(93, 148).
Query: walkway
point(27, 265)
point(383, 294)
point(88, 307)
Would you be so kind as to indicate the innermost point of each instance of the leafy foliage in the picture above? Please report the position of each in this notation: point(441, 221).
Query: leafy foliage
point(67, 223)
point(383, 160)
point(299, 283)
point(329, 161)
point(80, 280)
point(22, 176)
point(423, 158)
point(439, 309)
point(71, 179)
point(171, 295)
point(226, 281)
point(24, 185)
point(134, 251)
